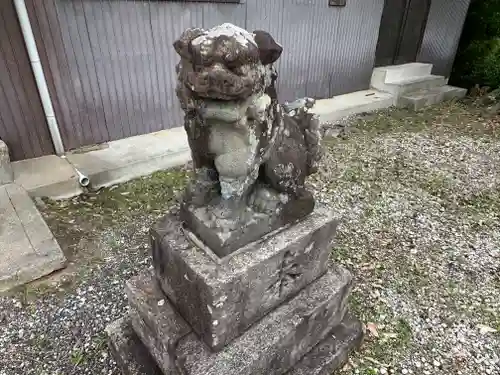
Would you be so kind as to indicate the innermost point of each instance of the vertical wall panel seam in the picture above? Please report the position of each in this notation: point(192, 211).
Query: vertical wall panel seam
point(38, 116)
point(34, 150)
point(76, 127)
point(87, 117)
point(86, 78)
point(97, 76)
point(118, 105)
point(60, 112)
point(21, 137)
point(156, 63)
point(134, 65)
point(129, 100)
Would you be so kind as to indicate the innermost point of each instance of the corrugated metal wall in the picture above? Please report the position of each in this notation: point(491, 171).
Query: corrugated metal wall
point(442, 35)
point(22, 121)
point(111, 64)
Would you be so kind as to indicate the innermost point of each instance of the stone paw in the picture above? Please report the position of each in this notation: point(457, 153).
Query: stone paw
point(267, 200)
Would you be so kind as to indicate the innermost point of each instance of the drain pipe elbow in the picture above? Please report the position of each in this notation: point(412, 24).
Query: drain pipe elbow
point(83, 179)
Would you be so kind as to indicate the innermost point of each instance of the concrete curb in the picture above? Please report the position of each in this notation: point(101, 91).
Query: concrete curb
point(118, 162)
point(28, 249)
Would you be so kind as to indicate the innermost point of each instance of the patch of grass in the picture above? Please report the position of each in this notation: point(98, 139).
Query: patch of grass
point(396, 339)
point(458, 117)
point(393, 339)
point(485, 201)
point(115, 205)
point(369, 371)
point(436, 185)
point(353, 174)
point(340, 253)
point(356, 303)
point(395, 120)
point(77, 357)
point(130, 204)
point(100, 342)
point(404, 332)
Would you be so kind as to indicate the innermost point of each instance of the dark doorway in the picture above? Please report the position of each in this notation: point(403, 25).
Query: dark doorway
point(401, 31)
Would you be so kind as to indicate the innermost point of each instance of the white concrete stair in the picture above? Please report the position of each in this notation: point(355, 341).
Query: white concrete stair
point(422, 98)
point(395, 73)
point(410, 84)
point(413, 85)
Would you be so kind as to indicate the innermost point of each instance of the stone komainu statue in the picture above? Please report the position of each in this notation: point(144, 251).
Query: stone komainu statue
point(251, 156)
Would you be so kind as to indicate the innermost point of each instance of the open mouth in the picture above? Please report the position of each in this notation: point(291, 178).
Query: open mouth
point(223, 110)
point(220, 85)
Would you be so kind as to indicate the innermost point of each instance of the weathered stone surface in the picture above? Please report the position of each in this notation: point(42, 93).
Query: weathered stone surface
point(133, 358)
point(129, 353)
point(169, 328)
point(220, 298)
point(271, 346)
point(234, 234)
point(28, 249)
point(333, 351)
point(6, 173)
point(250, 156)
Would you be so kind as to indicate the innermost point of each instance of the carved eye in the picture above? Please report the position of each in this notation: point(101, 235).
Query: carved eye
point(232, 63)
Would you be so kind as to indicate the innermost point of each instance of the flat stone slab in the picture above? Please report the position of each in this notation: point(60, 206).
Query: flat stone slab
point(330, 354)
point(222, 297)
point(271, 346)
point(28, 249)
point(227, 236)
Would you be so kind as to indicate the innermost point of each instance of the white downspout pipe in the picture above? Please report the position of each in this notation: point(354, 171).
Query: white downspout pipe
point(41, 83)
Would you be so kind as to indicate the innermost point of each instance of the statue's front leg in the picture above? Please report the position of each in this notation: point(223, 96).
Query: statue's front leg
point(204, 184)
point(237, 171)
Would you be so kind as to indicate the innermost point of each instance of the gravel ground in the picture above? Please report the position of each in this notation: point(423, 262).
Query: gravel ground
point(419, 198)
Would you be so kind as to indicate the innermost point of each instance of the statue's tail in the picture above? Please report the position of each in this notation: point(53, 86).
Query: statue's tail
point(310, 127)
point(312, 136)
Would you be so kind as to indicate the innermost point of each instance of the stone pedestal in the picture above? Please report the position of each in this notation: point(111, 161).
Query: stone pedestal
point(241, 283)
point(273, 307)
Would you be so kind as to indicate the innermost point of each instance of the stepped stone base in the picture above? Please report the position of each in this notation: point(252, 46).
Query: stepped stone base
point(273, 307)
point(271, 346)
point(221, 297)
point(330, 354)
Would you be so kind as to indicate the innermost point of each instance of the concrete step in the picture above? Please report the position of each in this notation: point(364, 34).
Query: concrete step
point(28, 249)
point(422, 98)
point(395, 73)
point(412, 84)
point(342, 106)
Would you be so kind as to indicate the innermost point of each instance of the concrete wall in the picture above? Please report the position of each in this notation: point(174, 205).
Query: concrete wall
point(22, 120)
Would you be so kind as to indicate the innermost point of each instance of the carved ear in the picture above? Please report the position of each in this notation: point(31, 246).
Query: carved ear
point(269, 50)
point(182, 44)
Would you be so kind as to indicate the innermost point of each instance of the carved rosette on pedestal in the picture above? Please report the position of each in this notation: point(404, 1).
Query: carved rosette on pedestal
point(241, 283)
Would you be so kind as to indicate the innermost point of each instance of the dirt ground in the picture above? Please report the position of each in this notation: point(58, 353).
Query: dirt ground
point(418, 194)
